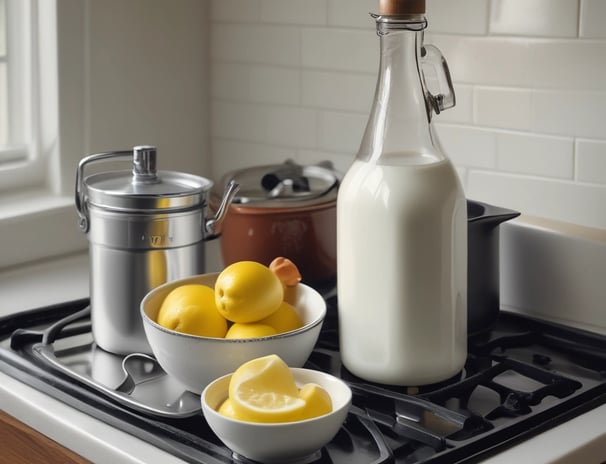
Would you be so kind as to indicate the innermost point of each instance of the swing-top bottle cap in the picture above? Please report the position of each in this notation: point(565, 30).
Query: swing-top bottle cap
point(401, 7)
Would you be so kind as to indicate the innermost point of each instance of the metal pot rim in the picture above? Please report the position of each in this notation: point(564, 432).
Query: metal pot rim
point(324, 177)
point(253, 209)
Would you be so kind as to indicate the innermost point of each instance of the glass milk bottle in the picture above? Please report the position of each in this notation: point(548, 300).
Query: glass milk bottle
point(402, 222)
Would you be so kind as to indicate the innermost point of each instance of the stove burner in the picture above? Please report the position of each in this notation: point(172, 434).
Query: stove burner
point(523, 377)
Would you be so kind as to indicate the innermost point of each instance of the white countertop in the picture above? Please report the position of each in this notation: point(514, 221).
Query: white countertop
point(582, 439)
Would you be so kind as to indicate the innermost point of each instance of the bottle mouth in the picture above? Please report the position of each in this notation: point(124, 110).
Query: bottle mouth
point(410, 22)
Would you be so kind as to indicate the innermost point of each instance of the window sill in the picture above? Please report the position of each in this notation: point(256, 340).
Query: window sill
point(36, 225)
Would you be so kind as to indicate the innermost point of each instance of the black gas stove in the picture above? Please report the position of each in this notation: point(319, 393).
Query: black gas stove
point(521, 378)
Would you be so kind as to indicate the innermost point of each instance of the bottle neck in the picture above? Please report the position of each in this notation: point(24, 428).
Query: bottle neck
point(399, 127)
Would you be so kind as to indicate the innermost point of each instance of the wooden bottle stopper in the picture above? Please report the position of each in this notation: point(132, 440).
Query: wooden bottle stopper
point(401, 7)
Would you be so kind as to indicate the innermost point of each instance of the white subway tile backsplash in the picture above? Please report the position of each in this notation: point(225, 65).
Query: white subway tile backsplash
point(341, 132)
point(509, 108)
point(254, 43)
point(468, 146)
point(591, 161)
point(463, 109)
point(295, 78)
point(593, 14)
point(292, 126)
point(235, 10)
point(351, 13)
point(229, 155)
point(486, 60)
point(339, 49)
point(457, 16)
point(252, 83)
point(561, 200)
point(552, 18)
point(231, 81)
point(275, 85)
point(570, 113)
point(566, 64)
point(525, 63)
point(239, 121)
point(337, 90)
point(294, 11)
point(533, 154)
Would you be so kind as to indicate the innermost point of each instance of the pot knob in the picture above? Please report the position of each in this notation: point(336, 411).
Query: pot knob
point(144, 164)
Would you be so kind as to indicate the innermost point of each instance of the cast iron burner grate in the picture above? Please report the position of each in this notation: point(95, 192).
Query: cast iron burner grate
point(523, 377)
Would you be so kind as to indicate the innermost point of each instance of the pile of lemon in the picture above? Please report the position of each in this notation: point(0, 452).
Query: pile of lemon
point(247, 301)
point(264, 390)
point(250, 300)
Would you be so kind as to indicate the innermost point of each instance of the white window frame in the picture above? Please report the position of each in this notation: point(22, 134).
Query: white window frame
point(21, 162)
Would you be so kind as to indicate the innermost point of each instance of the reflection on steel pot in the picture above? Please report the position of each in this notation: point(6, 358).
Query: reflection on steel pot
point(284, 210)
point(145, 227)
point(483, 264)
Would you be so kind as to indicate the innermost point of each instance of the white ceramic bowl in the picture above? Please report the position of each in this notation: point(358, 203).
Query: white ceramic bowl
point(196, 361)
point(282, 442)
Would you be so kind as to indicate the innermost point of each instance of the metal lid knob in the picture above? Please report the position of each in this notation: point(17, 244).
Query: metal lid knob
point(144, 164)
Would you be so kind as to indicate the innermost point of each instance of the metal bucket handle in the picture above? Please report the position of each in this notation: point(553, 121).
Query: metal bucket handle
point(80, 193)
point(144, 171)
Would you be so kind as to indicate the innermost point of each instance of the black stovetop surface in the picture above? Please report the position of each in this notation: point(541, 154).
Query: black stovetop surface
point(523, 377)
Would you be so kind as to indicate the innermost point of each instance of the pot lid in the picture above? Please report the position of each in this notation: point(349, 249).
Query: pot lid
point(144, 189)
point(286, 184)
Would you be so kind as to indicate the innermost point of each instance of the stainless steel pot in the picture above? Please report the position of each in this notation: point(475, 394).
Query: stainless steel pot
point(145, 227)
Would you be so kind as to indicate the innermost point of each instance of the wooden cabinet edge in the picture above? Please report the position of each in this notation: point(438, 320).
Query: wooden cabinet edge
point(24, 445)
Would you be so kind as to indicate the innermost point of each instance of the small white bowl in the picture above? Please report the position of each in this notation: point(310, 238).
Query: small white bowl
point(196, 361)
point(279, 442)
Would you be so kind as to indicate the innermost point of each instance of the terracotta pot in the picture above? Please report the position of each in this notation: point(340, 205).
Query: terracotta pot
point(298, 222)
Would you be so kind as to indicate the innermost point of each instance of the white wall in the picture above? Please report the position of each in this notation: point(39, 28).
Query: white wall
point(295, 79)
point(127, 73)
point(146, 79)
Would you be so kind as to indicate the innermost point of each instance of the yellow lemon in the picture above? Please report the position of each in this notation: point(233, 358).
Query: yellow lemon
point(191, 309)
point(264, 390)
point(227, 409)
point(284, 319)
point(250, 330)
point(247, 291)
point(317, 401)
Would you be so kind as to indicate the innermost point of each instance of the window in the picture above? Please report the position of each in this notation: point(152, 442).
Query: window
point(3, 83)
point(21, 161)
point(84, 77)
point(36, 210)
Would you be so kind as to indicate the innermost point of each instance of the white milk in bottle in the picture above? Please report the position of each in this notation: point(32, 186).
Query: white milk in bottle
point(402, 226)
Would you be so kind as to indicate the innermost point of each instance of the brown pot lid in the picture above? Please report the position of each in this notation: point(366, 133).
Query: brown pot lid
point(285, 185)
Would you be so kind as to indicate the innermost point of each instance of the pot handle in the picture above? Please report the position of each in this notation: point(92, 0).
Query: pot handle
point(210, 227)
point(80, 193)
